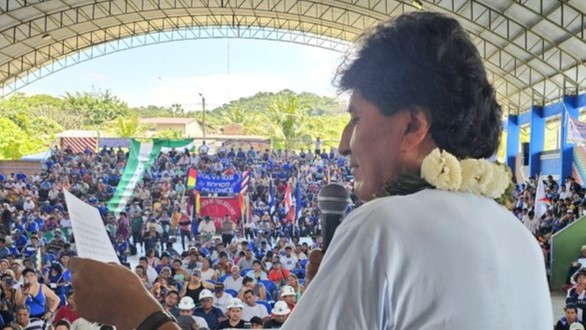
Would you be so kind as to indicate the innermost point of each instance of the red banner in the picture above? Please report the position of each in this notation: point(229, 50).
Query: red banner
point(217, 208)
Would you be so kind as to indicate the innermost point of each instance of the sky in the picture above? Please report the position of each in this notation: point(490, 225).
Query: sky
point(220, 69)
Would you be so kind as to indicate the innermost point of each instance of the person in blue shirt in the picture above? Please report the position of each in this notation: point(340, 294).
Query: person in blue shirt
point(46, 258)
point(211, 314)
point(31, 226)
point(571, 316)
point(92, 199)
point(231, 153)
point(122, 249)
point(171, 251)
point(30, 249)
point(56, 281)
point(4, 250)
point(39, 221)
point(47, 208)
point(114, 179)
point(20, 240)
point(48, 165)
point(195, 226)
point(103, 209)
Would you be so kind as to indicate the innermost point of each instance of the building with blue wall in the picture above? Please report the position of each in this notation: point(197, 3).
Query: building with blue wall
point(554, 162)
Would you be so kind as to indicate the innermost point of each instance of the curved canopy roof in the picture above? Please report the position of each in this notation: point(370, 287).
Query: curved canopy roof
point(534, 50)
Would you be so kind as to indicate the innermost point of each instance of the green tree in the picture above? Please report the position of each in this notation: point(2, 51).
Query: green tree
point(17, 109)
point(169, 134)
point(177, 110)
point(40, 101)
point(129, 127)
point(14, 141)
point(43, 127)
point(251, 120)
point(96, 107)
point(288, 123)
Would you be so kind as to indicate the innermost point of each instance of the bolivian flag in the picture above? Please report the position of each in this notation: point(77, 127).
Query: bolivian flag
point(191, 179)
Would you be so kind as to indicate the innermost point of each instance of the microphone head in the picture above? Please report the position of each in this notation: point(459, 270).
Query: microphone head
point(333, 199)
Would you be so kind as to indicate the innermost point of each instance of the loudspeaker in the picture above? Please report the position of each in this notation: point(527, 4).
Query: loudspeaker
point(525, 148)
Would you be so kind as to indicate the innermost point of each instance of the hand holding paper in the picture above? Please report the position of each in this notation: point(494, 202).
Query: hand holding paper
point(91, 238)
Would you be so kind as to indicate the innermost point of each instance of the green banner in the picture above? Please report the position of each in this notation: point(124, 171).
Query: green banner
point(140, 159)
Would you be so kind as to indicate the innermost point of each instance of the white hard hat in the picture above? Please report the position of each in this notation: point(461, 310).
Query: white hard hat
point(576, 326)
point(281, 308)
point(206, 294)
point(235, 303)
point(288, 291)
point(186, 303)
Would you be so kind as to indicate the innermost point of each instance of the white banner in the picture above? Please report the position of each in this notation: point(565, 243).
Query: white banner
point(576, 130)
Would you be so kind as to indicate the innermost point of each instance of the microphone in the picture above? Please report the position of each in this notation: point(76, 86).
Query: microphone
point(332, 200)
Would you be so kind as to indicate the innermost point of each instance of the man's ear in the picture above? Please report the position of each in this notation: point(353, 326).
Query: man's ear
point(417, 128)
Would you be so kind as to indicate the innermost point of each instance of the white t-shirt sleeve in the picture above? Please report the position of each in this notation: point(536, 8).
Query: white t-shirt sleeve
point(340, 288)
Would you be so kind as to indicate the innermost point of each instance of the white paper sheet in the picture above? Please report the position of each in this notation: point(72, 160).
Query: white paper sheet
point(91, 238)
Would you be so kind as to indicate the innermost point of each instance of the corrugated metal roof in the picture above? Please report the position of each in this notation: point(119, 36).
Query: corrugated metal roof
point(534, 50)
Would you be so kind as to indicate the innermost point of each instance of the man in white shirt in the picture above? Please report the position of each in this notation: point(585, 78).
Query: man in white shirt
point(251, 308)
point(65, 222)
point(564, 193)
point(203, 149)
point(221, 298)
point(247, 261)
point(289, 261)
point(299, 254)
point(234, 282)
point(207, 227)
point(28, 204)
point(531, 222)
point(23, 320)
point(151, 272)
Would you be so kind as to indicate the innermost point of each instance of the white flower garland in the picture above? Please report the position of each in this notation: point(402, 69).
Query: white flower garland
point(479, 176)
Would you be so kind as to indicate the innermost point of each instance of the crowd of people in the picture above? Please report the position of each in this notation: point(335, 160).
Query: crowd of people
point(561, 204)
point(249, 271)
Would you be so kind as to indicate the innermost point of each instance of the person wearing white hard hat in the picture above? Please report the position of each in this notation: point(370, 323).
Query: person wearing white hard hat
point(234, 316)
point(211, 314)
point(576, 326)
point(186, 308)
point(280, 313)
point(289, 296)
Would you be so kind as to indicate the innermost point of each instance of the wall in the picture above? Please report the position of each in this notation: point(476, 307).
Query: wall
point(28, 167)
point(193, 130)
point(550, 163)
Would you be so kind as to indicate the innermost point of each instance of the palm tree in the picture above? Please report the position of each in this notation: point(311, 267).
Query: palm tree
point(129, 127)
point(288, 123)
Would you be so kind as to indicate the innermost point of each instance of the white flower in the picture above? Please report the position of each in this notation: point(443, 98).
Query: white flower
point(471, 172)
point(500, 181)
point(486, 177)
point(442, 170)
point(476, 175)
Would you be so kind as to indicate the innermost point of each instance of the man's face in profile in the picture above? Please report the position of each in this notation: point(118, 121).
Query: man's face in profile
point(376, 144)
